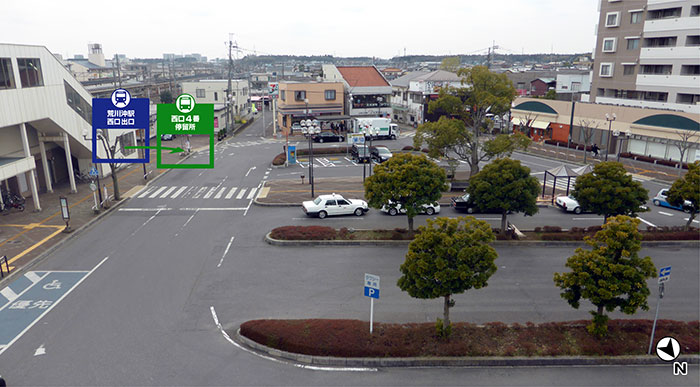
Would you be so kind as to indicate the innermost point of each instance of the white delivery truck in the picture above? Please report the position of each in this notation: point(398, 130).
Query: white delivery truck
point(382, 128)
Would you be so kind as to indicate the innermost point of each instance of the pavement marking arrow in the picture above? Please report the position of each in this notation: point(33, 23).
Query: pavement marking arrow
point(40, 351)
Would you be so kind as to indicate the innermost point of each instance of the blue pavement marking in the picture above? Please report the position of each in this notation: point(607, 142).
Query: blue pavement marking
point(33, 301)
point(11, 291)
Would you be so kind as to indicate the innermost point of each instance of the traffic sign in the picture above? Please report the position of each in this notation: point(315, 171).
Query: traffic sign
point(356, 138)
point(93, 172)
point(371, 285)
point(664, 274)
point(120, 111)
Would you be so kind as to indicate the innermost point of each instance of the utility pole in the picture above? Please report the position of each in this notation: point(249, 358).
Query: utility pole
point(119, 71)
point(228, 90)
point(171, 67)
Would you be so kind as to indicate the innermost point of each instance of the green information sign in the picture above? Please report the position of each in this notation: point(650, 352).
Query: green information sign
point(182, 118)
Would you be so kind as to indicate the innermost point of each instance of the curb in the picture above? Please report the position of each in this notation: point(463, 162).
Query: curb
point(279, 242)
point(481, 361)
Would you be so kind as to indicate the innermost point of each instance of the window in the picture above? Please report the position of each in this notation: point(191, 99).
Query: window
point(127, 139)
point(656, 69)
point(200, 93)
point(635, 17)
point(628, 69)
point(77, 103)
point(690, 99)
point(666, 41)
point(655, 96)
point(299, 95)
point(667, 13)
point(695, 10)
point(609, 44)
point(606, 69)
point(283, 96)
point(692, 40)
point(30, 72)
point(612, 19)
point(216, 96)
point(7, 79)
point(330, 95)
point(690, 70)
point(342, 202)
point(330, 203)
point(521, 85)
point(633, 44)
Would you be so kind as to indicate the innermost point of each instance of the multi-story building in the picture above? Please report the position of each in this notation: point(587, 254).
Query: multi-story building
point(46, 124)
point(413, 91)
point(648, 54)
point(309, 100)
point(214, 91)
point(367, 92)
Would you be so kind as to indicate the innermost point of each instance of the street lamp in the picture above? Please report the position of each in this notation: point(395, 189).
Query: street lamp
point(628, 134)
point(309, 129)
point(610, 120)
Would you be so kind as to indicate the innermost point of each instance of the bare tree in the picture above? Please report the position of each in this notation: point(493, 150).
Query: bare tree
point(526, 122)
point(588, 127)
point(684, 143)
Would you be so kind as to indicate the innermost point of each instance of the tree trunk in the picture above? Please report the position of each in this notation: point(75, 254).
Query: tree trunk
point(605, 218)
point(115, 183)
point(410, 224)
point(446, 312)
point(474, 165)
point(691, 216)
point(504, 222)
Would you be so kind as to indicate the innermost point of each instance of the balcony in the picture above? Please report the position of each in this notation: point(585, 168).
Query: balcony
point(674, 24)
point(647, 55)
point(649, 104)
point(689, 82)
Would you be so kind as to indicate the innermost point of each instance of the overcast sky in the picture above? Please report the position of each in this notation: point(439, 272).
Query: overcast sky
point(149, 28)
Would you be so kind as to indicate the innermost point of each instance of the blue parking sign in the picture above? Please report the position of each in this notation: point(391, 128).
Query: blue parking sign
point(371, 292)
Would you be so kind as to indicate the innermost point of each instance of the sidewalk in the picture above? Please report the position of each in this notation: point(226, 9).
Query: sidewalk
point(643, 169)
point(26, 235)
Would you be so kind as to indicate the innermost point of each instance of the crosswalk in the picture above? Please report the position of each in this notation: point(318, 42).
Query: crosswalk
point(218, 192)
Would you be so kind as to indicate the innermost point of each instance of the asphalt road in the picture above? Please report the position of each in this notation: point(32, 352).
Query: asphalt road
point(142, 316)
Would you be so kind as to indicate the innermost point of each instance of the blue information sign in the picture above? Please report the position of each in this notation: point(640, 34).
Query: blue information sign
point(120, 112)
point(371, 292)
point(292, 154)
point(664, 274)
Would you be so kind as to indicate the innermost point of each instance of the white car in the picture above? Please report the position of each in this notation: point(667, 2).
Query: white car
point(334, 204)
point(568, 204)
point(428, 209)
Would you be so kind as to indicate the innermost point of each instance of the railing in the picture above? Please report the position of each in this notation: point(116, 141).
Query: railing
point(7, 267)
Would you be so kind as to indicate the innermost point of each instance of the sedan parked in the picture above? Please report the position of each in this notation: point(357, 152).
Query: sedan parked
point(568, 204)
point(428, 209)
point(328, 137)
point(334, 204)
point(380, 153)
point(661, 200)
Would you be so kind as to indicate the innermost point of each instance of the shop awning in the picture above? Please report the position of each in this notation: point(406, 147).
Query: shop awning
point(539, 124)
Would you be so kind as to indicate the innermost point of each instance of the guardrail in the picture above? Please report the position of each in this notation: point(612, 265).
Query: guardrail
point(7, 266)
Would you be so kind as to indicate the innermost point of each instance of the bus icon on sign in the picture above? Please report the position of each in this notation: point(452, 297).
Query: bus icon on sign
point(185, 103)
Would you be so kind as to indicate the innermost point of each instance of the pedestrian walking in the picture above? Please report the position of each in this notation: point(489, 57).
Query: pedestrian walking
point(595, 150)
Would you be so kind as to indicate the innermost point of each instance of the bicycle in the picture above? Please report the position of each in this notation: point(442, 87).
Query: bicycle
point(10, 201)
point(81, 177)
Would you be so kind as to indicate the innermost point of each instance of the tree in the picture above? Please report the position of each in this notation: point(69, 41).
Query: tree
point(610, 191)
point(551, 94)
point(686, 140)
point(685, 192)
point(611, 275)
point(505, 186)
point(451, 64)
point(588, 128)
point(407, 180)
point(482, 92)
point(166, 96)
point(448, 256)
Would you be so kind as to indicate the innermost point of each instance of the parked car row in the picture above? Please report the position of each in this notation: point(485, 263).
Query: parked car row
point(365, 154)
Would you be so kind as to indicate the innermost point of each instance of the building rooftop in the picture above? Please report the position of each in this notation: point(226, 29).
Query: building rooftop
point(405, 79)
point(362, 76)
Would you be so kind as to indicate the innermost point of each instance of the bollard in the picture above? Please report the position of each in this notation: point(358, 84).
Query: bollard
point(302, 179)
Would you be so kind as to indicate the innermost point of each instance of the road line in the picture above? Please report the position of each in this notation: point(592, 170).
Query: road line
point(694, 221)
point(241, 193)
point(251, 193)
point(599, 218)
point(664, 213)
point(225, 252)
point(32, 277)
point(213, 209)
point(9, 294)
point(52, 305)
point(229, 195)
point(145, 193)
point(186, 193)
point(168, 192)
point(221, 192)
point(178, 192)
point(251, 168)
point(199, 193)
point(188, 220)
point(158, 191)
point(143, 209)
point(211, 192)
point(34, 246)
point(647, 222)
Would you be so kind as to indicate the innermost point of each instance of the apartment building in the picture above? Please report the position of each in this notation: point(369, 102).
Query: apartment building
point(648, 54)
point(367, 92)
point(309, 100)
point(214, 91)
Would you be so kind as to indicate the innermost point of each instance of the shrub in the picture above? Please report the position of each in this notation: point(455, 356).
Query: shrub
point(626, 155)
point(407, 148)
point(594, 229)
point(578, 229)
point(425, 150)
point(279, 159)
point(303, 233)
point(551, 229)
point(668, 163)
point(538, 229)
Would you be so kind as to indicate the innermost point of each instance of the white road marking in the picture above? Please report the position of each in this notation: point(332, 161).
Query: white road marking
point(2, 349)
point(158, 191)
point(188, 220)
point(188, 192)
point(303, 366)
point(199, 193)
point(647, 222)
point(35, 278)
point(241, 193)
point(664, 213)
point(340, 218)
point(9, 293)
point(694, 221)
point(225, 252)
point(229, 195)
point(251, 168)
point(178, 192)
point(221, 192)
point(144, 193)
point(40, 351)
point(211, 192)
point(168, 192)
point(213, 209)
point(146, 222)
point(143, 209)
point(251, 193)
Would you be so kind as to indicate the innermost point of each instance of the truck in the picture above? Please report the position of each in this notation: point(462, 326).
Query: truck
point(383, 127)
